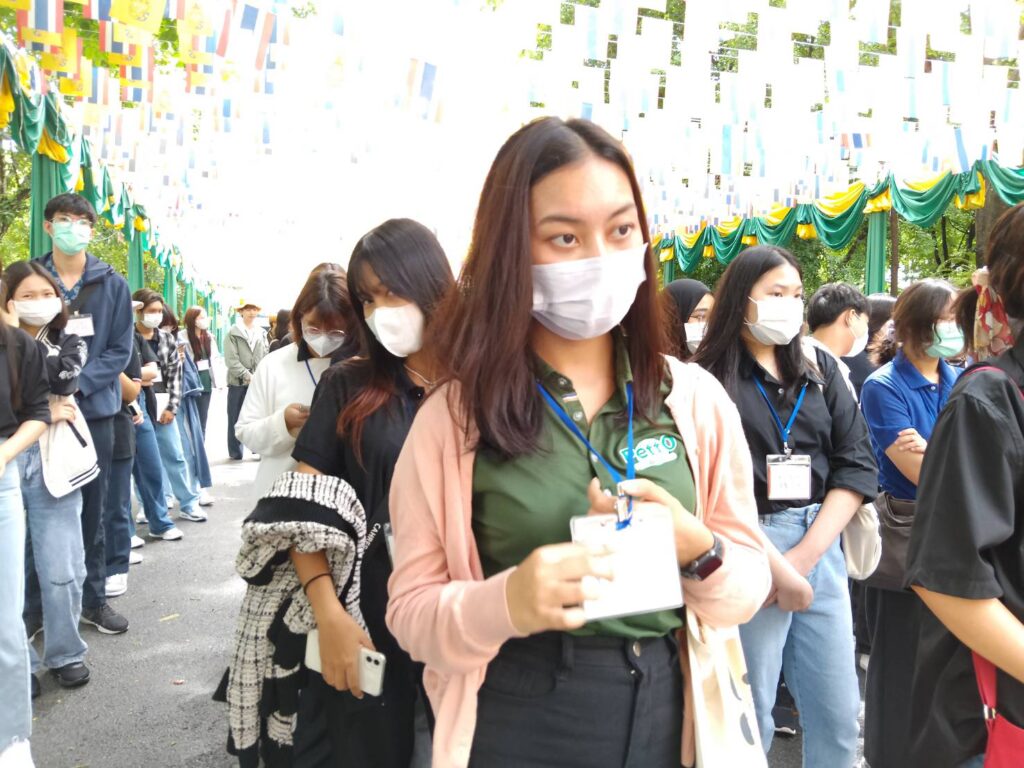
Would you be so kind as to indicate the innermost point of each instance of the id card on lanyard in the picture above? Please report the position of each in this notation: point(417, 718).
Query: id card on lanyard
point(789, 474)
point(641, 544)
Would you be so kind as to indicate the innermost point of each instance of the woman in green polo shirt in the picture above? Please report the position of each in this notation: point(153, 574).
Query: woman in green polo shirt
point(554, 333)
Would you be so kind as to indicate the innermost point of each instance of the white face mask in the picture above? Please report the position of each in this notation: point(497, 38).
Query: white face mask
point(694, 335)
point(860, 343)
point(153, 319)
point(398, 329)
point(321, 343)
point(203, 323)
point(779, 320)
point(586, 298)
point(38, 312)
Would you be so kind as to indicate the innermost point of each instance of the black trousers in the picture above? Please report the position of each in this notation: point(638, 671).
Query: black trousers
point(236, 396)
point(94, 507)
point(204, 408)
point(561, 701)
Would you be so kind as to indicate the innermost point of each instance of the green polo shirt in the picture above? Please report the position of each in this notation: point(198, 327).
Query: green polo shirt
point(527, 502)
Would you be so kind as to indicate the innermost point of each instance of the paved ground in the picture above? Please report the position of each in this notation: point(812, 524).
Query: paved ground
point(148, 703)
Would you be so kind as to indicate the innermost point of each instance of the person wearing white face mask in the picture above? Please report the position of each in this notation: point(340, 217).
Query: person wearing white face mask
point(812, 468)
point(204, 352)
point(559, 391)
point(168, 398)
point(837, 318)
point(689, 302)
point(358, 421)
point(55, 556)
point(277, 402)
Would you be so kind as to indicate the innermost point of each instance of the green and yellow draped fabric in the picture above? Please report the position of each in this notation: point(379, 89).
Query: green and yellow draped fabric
point(835, 220)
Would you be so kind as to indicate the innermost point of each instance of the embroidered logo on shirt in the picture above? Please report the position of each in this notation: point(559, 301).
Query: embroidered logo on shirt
point(653, 452)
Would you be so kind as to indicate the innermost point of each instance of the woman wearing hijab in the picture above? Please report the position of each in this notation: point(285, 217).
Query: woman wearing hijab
point(689, 303)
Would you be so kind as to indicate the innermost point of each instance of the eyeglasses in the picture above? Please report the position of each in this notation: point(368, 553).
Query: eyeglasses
point(69, 220)
point(314, 331)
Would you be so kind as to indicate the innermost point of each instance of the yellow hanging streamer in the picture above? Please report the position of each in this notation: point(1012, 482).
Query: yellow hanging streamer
point(749, 240)
point(52, 149)
point(709, 252)
point(840, 202)
point(974, 200)
point(777, 215)
point(806, 231)
point(6, 101)
point(878, 203)
point(690, 240)
point(923, 185)
point(140, 224)
point(728, 227)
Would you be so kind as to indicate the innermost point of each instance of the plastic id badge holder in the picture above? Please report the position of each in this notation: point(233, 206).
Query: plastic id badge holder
point(789, 477)
point(643, 561)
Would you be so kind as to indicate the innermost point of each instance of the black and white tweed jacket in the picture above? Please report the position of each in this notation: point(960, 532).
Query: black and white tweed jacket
point(309, 513)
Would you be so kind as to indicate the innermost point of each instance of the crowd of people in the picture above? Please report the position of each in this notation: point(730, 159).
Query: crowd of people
point(103, 391)
point(475, 482)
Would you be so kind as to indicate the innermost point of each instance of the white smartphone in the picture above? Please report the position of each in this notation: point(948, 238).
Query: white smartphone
point(371, 664)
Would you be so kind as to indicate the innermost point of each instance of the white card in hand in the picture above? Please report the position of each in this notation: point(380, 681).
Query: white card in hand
point(643, 561)
point(80, 325)
point(163, 400)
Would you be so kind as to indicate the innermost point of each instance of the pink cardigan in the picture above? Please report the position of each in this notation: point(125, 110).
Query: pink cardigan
point(446, 615)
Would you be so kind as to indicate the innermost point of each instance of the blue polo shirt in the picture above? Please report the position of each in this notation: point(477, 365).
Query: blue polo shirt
point(897, 397)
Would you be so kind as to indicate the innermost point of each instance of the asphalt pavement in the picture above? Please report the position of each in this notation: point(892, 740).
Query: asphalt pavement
point(148, 703)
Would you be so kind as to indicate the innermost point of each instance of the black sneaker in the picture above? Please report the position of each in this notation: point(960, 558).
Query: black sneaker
point(787, 721)
point(33, 625)
point(72, 675)
point(36, 688)
point(105, 619)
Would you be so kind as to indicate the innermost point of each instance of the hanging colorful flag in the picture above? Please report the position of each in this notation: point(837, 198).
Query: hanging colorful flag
point(17, 5)
point(175, 10)
point(196, 19)
point(97, 10)
point(80, 87)
point(42, 23)
point(64, 58)
point(267, 35)
point(144, 14)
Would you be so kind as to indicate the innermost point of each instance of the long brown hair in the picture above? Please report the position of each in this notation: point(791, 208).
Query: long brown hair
point(1005, 260)
point(482, 332)
point(198, 339)
point(409, 261)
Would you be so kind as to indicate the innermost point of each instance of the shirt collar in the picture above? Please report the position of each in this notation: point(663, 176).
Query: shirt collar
point(303, 351)
point(623, 369)
point(748, 366)
point(913, 378)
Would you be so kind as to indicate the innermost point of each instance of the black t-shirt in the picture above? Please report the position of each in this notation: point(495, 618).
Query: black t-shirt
point(124, 429)
point(32, 382)
point(968, 541)
point(148, 355)
point(860, 368)
point(829, 428)
point(383, 435)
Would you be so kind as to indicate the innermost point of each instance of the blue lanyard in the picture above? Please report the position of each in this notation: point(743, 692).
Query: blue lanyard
point(783, 430)
point(311, 376)
point(631, 457)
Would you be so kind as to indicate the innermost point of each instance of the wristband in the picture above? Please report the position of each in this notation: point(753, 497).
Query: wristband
point(305, 586)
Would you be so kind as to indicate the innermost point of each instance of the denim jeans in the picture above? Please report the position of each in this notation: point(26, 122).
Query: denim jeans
point(148, 472)
point(15, 688)
point(815, 648)
point(94, 512)
point(54, 564)
point(118, 523)
point(204, 408)
point(173, 455)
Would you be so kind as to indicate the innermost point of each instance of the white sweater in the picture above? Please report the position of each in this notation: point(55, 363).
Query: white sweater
point(280, 380)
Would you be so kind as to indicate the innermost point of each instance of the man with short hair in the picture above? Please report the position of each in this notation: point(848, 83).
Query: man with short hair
point(101, 314)
point(837, 316)
point(245, 346)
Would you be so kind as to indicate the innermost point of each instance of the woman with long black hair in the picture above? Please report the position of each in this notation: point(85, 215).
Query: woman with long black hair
point(356, 426)
point(813, 469)
point(24, 414)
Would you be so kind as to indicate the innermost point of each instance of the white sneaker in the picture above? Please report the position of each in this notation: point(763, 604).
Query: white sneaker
point(171, 534)
point(17, 755)
point(140, 518)
point(134, 558)
point(138, 541)
point(205, 499)
point(170, 502)
point(117, 584)
point(195, 516)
